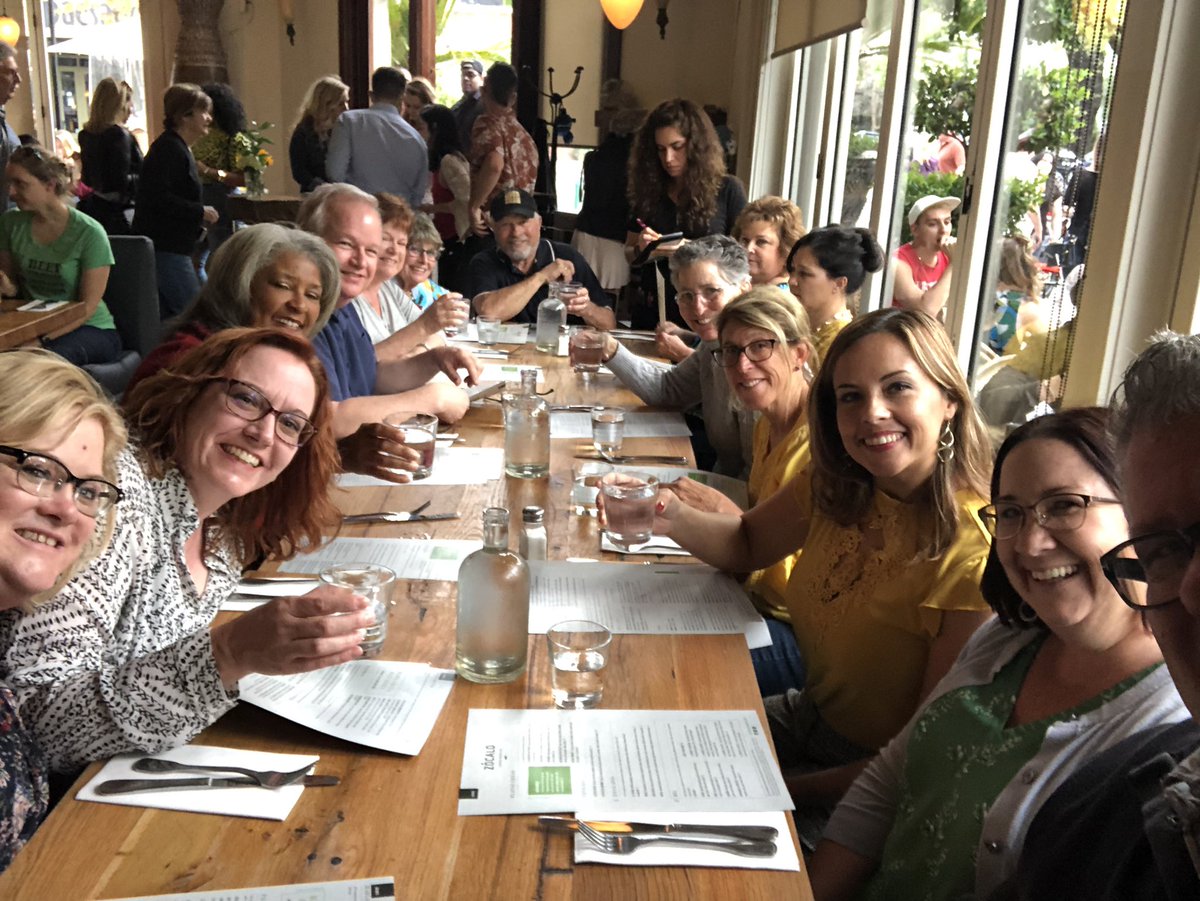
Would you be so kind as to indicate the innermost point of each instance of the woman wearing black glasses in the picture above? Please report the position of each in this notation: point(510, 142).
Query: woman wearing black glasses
point(234, 461)
point(1066, 670)
point(59, 440)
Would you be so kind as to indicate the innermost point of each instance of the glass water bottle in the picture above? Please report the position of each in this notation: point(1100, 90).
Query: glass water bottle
point(493, 607)
point(551, 317)
point(527, 431)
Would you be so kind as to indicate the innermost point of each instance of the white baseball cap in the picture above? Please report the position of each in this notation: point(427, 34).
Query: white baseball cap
point(926, 202)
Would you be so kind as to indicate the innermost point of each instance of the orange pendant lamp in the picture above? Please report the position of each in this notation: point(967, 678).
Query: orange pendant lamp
point(10, 30)
point(621, 13)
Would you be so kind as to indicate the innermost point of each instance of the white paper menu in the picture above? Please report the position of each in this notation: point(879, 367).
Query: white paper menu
point(436, 559)
point(343, 890)
point(551, 761)
point(382, 704)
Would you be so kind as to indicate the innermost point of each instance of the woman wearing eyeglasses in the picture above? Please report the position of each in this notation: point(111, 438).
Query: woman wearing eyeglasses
point(59, 440)
point(1066, 670)
point(233, 461)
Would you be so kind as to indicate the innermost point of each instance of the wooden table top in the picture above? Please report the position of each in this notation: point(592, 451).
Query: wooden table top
point(267, 208)
point(18, 329)
point(395, 815)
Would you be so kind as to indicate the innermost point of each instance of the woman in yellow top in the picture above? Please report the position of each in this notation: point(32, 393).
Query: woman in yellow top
point(765, 346)
point(887, 590)
point(826, 270)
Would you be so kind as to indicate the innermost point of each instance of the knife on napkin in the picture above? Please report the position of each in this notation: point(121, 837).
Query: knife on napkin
point(125, 786)
point(750, 833)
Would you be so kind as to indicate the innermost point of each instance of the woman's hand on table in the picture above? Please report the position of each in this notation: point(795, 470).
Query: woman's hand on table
point(700, 497)
point(378, 450)
point(292, 635)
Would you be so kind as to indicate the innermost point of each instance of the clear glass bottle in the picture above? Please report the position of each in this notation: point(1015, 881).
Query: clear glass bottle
point(493, 607)
point(527, 431)
point(533, 533)
point(551, 317)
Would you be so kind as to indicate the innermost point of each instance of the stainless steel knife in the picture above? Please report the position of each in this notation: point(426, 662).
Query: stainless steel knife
point(750, 833)
point(360, 518)
point(126, 786)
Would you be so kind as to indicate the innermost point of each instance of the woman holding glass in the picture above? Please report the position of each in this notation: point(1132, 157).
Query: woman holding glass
point(886, 591)
point(233, 461)
point(59, 440)
point(1065, 671)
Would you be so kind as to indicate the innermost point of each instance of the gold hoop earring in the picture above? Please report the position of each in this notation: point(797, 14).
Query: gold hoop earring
point(945, 446)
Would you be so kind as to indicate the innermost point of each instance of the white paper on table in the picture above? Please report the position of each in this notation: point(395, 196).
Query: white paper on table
point(41, 306)
point(378, 703)
point(343, 890)
point(508, 332)
point(637, 425)
point(409, 558)
point(660, 599)
point(659, 545)
point(508, 372)
point(674, 854)
point(555, 761)
point(451, 466)
point(243, 801)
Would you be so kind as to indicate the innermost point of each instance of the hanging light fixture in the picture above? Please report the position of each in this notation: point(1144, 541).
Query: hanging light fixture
point(10, 30)
point(621, 13)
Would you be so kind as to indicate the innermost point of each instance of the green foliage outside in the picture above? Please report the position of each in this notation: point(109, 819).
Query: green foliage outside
point(446, 63)
point(860, 144)
point(1052, 105)
point(945, 99)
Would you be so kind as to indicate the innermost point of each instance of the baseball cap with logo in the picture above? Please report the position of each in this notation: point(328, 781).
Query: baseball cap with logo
point(513, 202)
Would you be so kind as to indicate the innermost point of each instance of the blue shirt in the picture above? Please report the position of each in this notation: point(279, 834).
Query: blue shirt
point(376, 150)
point(348, 355)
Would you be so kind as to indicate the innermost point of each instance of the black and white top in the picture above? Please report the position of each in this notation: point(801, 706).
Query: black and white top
point(121, 658)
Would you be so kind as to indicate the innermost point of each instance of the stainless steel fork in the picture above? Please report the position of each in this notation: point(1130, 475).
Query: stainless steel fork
point(265, 778)
point(623, 843)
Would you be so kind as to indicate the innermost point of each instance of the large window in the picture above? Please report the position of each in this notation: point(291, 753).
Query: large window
point(465, 29)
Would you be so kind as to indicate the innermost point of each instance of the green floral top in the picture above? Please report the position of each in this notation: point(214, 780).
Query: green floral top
point(961, 756)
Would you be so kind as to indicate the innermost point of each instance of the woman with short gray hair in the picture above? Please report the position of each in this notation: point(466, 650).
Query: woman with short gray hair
point(707, 273)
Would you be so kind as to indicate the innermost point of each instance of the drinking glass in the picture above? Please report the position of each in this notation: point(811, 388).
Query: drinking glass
point(374, 583)
point(585, 486)
point(608, 429)
point(418, 431)
point(463, 308)
point(578, 654)
point(629, 501)
point(487, 329)
point(585, 348)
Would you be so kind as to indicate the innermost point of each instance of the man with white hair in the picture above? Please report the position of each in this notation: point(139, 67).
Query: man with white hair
point(1127, 825)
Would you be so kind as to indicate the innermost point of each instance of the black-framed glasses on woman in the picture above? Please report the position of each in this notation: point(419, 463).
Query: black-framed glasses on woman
point(249, 403)
point(756, 352)
point(1148, 571)
point(1054, 513)
point(42, 475)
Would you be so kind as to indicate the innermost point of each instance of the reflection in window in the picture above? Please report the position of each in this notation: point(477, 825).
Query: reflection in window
point(866, 117)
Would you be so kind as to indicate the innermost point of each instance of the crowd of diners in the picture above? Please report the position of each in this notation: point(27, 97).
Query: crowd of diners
point(967, 646)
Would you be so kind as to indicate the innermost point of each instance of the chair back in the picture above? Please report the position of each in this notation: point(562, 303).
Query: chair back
point(132, 292)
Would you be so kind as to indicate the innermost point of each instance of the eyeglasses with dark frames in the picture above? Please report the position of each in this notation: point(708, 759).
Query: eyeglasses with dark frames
point(248, 402)
point(429, 252)
point(756, 352)
point(1147, 571)
point(1054, 513)
point(42, 475)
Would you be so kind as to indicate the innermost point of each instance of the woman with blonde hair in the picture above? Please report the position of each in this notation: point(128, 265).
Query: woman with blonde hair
point(677, 183)
point(233, 461)
point(327, 98)
point(886, 591)
point(112, 160)
point(59, 440)
point(51, 251)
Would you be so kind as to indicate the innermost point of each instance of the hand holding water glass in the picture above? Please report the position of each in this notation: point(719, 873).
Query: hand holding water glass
point(585, 348)
point(419, 432)
point(374, 583)
point(629, 499)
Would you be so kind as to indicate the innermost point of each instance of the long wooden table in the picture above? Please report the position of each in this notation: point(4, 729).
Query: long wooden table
point(18, 329)
point(395, 815)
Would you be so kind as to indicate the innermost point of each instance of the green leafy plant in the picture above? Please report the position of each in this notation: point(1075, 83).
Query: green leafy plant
point(251, 155)
point(945, 98)
point(1024, 197)
point(860, 144)
point(1053, 103)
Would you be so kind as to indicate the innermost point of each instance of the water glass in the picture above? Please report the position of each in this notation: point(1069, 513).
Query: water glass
point(585, 486)
point(374, 583)
point(608, 429)
point(585, 347)
point(418, 431)
point(629, 501)
point(487, 330)
point(578, 654)
point(464, 308)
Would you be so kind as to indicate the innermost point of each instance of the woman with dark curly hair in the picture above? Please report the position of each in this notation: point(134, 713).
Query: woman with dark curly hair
point(216, 158)
point(677, 183)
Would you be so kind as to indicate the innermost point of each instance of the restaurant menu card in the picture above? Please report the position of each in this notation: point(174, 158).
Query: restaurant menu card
point(346, 890)
point(451, 466)
point(434, 559)
point(637, 425)
point(510, 333)
point(629, 599)
point(510, 372)
point(671, 854)
point(239, 801)
point(378, 703)
point(556, 761)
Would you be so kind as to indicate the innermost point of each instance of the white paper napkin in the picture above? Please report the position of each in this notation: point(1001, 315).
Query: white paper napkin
point(674, 854)
point(247, 801)
point(658, 544)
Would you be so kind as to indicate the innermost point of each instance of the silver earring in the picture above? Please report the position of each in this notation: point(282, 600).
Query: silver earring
point(945, 446)
point(1026, 613)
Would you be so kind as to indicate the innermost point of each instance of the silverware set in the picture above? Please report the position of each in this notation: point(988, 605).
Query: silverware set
point(414, 515)
point(247, 777)
point(625, 838)
point(634, 458)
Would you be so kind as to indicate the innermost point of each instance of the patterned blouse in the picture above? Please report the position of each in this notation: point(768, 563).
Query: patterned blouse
point(506, 135)
point(24, 789)
point(121, 659)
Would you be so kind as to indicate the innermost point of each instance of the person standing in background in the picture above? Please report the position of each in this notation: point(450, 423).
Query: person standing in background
point(112, 160)
point(502, 155)
point(467, 110)
point(10, 80)
point(327, 98)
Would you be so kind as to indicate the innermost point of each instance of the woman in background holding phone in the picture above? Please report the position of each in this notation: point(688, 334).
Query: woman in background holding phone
point(677, 183)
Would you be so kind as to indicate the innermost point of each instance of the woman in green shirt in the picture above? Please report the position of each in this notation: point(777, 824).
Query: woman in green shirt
point(51, 251)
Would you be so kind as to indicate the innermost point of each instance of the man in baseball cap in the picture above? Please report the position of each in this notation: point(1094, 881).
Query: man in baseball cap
point(470, 106)
point(511, 279)
point(923, 267)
